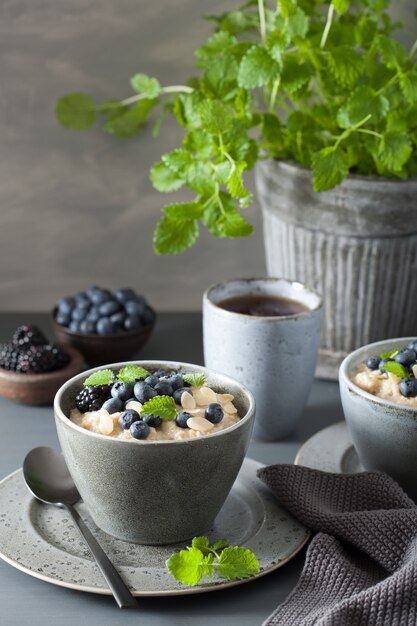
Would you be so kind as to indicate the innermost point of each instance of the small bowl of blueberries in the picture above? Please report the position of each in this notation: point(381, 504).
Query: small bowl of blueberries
point(104, 325)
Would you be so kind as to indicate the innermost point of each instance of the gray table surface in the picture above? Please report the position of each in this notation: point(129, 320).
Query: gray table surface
point(26, 600)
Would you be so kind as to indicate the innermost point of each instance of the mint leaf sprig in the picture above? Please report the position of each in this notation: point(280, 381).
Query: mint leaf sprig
point(127, 374)
point(396, 368)
point(97, 379)
point(203, 559)
point(196, 380)
point(130, 373)
point(161, 406)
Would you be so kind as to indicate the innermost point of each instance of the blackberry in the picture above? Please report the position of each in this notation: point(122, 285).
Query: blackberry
point(28, 335)
point(91, 398)
point(9, 357)
point(39, 359)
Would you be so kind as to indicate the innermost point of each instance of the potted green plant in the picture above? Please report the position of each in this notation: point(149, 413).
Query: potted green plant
point(323, 100)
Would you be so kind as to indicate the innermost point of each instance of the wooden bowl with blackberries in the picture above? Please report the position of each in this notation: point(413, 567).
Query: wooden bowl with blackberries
point(104, 325)
point(32, 369)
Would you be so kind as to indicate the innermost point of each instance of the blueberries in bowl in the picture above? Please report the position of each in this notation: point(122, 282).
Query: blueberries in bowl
point(102, 312)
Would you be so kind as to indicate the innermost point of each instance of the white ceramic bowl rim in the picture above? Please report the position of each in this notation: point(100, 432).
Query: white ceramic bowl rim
point(345, 370)
point(301, 287)
point(162, 365)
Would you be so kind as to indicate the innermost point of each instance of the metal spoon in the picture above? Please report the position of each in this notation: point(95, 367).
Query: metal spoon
point(48, 479)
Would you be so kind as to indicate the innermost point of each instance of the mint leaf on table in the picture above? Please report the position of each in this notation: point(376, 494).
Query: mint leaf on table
point(237, 563)
point(396, 368)
point(197, 380)
point(330, 167)
point(76, 111)
point(130, 373)
point(97, 379)
point(257, 68)
point(161, 406)
point(146, 85)
point(202, 558)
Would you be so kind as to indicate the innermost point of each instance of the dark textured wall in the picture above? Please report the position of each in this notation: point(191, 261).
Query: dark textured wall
point(78, 208)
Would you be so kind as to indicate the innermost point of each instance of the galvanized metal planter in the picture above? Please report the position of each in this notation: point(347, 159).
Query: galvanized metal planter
point(355, 244)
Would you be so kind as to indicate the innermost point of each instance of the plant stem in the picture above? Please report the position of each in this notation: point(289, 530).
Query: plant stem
point(369, 132)
point(262, 22)
point(170, 89)
point(274, 92)
point(347, 132)
point(324, 36)
point(414, 48)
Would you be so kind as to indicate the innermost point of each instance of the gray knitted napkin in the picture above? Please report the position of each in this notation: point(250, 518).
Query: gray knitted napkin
point(361, 566)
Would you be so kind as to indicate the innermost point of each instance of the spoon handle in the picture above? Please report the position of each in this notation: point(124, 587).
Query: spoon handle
point(121, 593)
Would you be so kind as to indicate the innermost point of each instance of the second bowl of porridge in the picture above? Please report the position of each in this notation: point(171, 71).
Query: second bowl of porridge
point(153, 447)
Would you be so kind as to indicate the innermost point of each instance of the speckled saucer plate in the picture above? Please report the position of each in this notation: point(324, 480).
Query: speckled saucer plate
point(41, 540)
point(330, 450)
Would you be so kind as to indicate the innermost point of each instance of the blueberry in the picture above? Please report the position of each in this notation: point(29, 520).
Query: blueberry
point(144, 392)
point(408, 387)
point(181, 419)
point(124, 295)
point(98, 296)
point(178, 393)
point(82, 300)
point(139, 430)
point(133, 322)
point(93, 315)
point(87, 326)
point(74, 326)
point(413, 345)
point(411, 366)
point(152, 380)
point(62, 318)
point(127, 418)
point(65, 305)
point(122, 390)
point(134, 308)
point(159, 373)
point(105, 326)
point(405, 357)
point(118, 319)
point(163, 388)
point(381, 363)
point(373, 362)
point(151, 420)
point(214, 413)
point(109, 307)
point(113, 405)
point(176, 381)
point(148, 316)
point(79, 314)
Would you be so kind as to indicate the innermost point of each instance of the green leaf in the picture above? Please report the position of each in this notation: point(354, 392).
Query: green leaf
point(184, 210)
point(389, 354)
point(363, 101)
point(150, 87)
point(219, 545)
point(173, 235)
point(161, 406)
point(394, 151)
point(199, 143)
point(216, 45)
point(224, 220)
point(396, 368)
point(345, 65)
point(330, 167)
point(392, 53)
point(129, 122)
point(177, 160)
point(294, 74)
point(207, 566)
point(237, 563)
point(215, 117)
point(164, 179)
point(186, 566)
point(200, 543)
point(341, 6)
point(298, 24)
point(408, 84)
point(130, 373)
point(196, 380)
point(287, 7)
point(257, 68)
point(276, 43)
point(97, 379)
point(235, 182)
point(272, 130)
point(76, 111)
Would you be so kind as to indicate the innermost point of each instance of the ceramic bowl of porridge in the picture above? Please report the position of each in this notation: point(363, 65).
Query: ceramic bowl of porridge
point(153, 446)
point(378, 388)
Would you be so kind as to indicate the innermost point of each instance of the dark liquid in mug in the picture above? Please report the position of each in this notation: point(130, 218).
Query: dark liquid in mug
point(262, 306)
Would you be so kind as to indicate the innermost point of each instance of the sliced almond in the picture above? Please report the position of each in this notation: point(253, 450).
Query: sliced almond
point(229, 407)
point(414, 368)
point(205, 395)
point(395, 379)
point(135, 405)
point(187, 401)
point(106, 425)
point(225, 397)
point(199, 423)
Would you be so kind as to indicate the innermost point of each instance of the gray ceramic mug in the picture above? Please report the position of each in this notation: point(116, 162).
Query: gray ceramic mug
point(275, 357)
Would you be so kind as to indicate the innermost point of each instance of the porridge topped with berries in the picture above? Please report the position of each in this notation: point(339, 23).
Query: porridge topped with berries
point(391, 375)
point(137, 404)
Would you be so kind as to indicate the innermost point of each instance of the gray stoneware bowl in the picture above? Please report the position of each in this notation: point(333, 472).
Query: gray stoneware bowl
point(155, 492)
point(384, 433)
